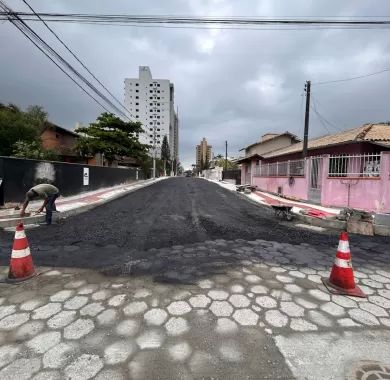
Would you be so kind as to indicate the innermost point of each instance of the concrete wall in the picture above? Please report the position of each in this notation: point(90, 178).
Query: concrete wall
point(19, 175)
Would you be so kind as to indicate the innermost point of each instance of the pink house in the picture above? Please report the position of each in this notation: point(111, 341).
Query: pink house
point(346, 169)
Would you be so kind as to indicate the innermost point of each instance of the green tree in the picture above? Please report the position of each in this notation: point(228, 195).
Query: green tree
point(38, 115)
point(15, 125)
point(112, 136)
point(219, 160)
point(165, 154)
point(24, 149)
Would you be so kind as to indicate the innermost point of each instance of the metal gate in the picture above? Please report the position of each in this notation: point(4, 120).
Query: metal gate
point(316, 169)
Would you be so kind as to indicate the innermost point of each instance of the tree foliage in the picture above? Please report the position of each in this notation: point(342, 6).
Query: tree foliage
point(24, 149)
point(111, 136)
point(38, 115)
point(165, 151)
point(220, 161)
point(16, 125)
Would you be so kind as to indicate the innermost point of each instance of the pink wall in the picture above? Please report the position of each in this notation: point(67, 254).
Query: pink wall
point(298, 190)
point(371, 194)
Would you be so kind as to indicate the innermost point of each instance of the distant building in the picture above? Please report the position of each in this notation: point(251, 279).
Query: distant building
point(151, 101)
point(203, 154)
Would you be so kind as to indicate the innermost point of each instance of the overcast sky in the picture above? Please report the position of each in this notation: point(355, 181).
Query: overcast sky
point(230, 85)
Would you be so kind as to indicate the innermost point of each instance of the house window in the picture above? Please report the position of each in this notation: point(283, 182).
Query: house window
point(136, 90)
point(137, 110)
point(137, 84)
point(150, 135)
point(338, 166)
point(158, 129)
point(151, 91)
point(150, 142)
point(158, 116)
point(151, 104)
point(137, 104)
point(158, 123)
point(136, 116)
point(137, 97)
point(151, 84)
point(158, 91)
point(158, 85)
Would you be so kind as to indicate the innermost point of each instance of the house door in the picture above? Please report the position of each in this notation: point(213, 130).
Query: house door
point(248, 175)
point(315, 179)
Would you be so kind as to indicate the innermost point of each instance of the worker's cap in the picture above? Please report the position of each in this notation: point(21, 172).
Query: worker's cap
point(31, 194)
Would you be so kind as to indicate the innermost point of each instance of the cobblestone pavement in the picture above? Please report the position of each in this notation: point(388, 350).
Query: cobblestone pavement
point(218, 309)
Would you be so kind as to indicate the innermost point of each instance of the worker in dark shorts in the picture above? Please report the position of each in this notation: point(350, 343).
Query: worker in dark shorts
point(43, 191)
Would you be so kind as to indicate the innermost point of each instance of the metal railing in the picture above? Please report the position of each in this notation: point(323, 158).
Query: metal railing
point(293, 168)
point(360, 165)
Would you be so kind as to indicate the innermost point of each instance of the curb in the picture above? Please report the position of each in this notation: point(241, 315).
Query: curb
point(65, 214)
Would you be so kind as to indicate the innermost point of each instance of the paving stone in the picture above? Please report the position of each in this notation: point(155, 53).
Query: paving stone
point(128, 327)
point(84, 367)
point(292, 288)
point(47, 375)
point(292, 309)
point(134, 308)
point(239, 300)
point(78, 329)
point(300, 324)
point(373, 309)
point(266, 301)
point(179, 308)
point(385, 321)
point(363, 317)
point(372, 283)
point(308, 271)
point(7, 354)
point(61, 296)
point(205, 284)
point(44, 341)
point(259, 289)
point(142, 293)
point(278, 270)
point(117, 300)
point(297, 274)
point(379, 278)
point(74, 284)
point(46, 311)
point(110, 374)
point(118, 352)
point(320, 318)
point(180, 352)
point(333, 309)
point(218, 295)
point(315, 278)
point(76, 302)
point(150, 339)
point(384, 293)
point(101, 295)
point(383, 273)
point(358, 274)
point(284, 279)
point(347, 322)
point(305, 303)
point(181, 295)
point(221, 308)
point(252, 279)
point(367, 290)
point(202, 363)
point(14, 320)
point(31, 304)
point(281, 295)
point(58, 356)
point(237, 288)
point(92, 309)
point(21, 369)
point(319, 295)
point(88, 289)
point(62, 319)
point(230, 351)
point(7, 310)
point(380, 301)
point(155, 317)
point(344, 301)
point(199, 300)
point(226, 326)
point(29, 329)
point(107, 317)
point(246, 317)
point(177, 326)
point(276, 318)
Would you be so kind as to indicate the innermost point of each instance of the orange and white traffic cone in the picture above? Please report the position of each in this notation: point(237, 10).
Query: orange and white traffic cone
point(341, 280)
point(21, 266)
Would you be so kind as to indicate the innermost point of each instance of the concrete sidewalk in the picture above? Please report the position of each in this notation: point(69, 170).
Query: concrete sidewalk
point(68, 206)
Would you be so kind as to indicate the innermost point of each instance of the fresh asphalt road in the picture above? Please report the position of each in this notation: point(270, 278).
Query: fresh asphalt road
point(176, 211)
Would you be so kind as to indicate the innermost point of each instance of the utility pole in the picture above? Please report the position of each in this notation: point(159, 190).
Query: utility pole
point(154, 151)
point(225, 155)
point(307, 114)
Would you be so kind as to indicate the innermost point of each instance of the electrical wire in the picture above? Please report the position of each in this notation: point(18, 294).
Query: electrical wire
point(321, 117)
point(22, 26)
point(74, 55)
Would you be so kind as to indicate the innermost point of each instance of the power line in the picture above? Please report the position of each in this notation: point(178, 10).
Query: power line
point(353, 78)
point(321, 117)
point(74, 55)
point(190, 20)
point(49, 51)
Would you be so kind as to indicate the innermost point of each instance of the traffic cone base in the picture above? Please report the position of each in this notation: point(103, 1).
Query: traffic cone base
point(21, 266)
point(354, 292)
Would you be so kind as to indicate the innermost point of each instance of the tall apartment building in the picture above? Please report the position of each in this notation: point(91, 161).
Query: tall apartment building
point(151, 101)
point(203, 153)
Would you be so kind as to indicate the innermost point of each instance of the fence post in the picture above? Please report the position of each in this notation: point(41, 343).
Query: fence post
point(288, 168)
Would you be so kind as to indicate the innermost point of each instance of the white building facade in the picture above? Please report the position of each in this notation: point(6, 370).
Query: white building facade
point(151, 101)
